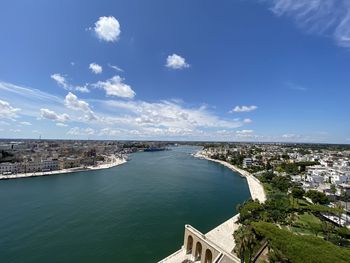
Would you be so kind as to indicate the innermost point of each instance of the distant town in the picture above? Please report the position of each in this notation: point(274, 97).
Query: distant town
point(26, 158)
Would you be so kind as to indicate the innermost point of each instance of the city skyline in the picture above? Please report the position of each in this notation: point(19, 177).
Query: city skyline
point(176, 70)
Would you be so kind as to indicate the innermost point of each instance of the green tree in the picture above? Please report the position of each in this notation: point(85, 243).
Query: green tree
point(250, 211)
point(333, 189)
point(317, 197)
point(327, 229)
point(298, 192)
point(282, 183)
point(245, 240)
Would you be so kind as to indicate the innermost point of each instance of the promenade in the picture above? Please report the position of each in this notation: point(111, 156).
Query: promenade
point(255, 187)
point(116, 162)
point(222, 235)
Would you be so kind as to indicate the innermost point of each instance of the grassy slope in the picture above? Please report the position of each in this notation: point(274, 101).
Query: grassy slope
point(301, 249)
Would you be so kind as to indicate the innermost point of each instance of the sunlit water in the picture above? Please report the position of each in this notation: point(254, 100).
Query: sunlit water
point(131, 213)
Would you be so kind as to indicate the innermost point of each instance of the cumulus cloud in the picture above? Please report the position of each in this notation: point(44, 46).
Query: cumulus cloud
point(176, 62)
point(95, 68)
point(244, 108)
point(61, 80)
point(7, 111)
point(116, 87)
point(72, 102)
point(51, 115)
point(82, 89)
point(327, 17)
point(166, 114)
point(107, 28)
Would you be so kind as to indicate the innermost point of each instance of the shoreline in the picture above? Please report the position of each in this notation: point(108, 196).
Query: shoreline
point(222, 235)
point(256, 189)
point(65, 171)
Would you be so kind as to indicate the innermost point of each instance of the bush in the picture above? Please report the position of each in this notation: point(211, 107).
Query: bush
point(282, 183)
point(317, 197)
point(300, 248)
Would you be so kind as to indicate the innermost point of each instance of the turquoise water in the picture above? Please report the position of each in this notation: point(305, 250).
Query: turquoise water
point(131, 213)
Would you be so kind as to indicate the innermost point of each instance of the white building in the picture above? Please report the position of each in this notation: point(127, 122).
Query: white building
point(6, 168)
point(247, 162)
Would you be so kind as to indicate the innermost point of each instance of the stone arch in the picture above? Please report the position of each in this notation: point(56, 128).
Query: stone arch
point(208, 256)
point(198, 254)
point(189, 245)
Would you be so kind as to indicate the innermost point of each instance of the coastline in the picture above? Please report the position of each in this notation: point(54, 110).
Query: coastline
point(65, 171)
point(255, 187)
point(222, 235)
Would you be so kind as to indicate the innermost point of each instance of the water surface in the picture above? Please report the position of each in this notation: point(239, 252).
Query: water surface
point(131, 213)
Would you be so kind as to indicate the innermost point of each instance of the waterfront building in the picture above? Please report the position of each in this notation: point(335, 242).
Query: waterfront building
point(247, 162)
point(6, 168)
point(49, 165)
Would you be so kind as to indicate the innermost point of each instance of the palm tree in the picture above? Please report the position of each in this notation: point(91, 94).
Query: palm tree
point(240, 246)
point(245, 241)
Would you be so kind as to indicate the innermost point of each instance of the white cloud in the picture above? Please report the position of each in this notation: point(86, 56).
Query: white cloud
point(72, 102)
point(61, 80)
point(244, 132)
point(107, 28)
point(76, 131)
point(60, 124)
point(7, 111)
point(51, 115)
point(291, 136)
point(95, 68)
point(176, 62)
point(89, 131)
point(327, 17)
point(82, 89)
point(116, 87)
point(126, 119)
point(116, 68)
point(166, 114)
point(26, 123)
point(244, 108)
point(247, 120)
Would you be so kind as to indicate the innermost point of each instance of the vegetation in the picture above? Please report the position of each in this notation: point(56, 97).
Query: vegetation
point(289, 247)
point(317, 197)
point(245, 241)
point(294, 228)
point(294, 168)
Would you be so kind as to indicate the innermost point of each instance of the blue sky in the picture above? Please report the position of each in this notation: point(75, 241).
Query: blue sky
point(265, 70)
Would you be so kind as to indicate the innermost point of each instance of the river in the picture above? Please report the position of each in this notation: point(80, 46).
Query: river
point(130, 213)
